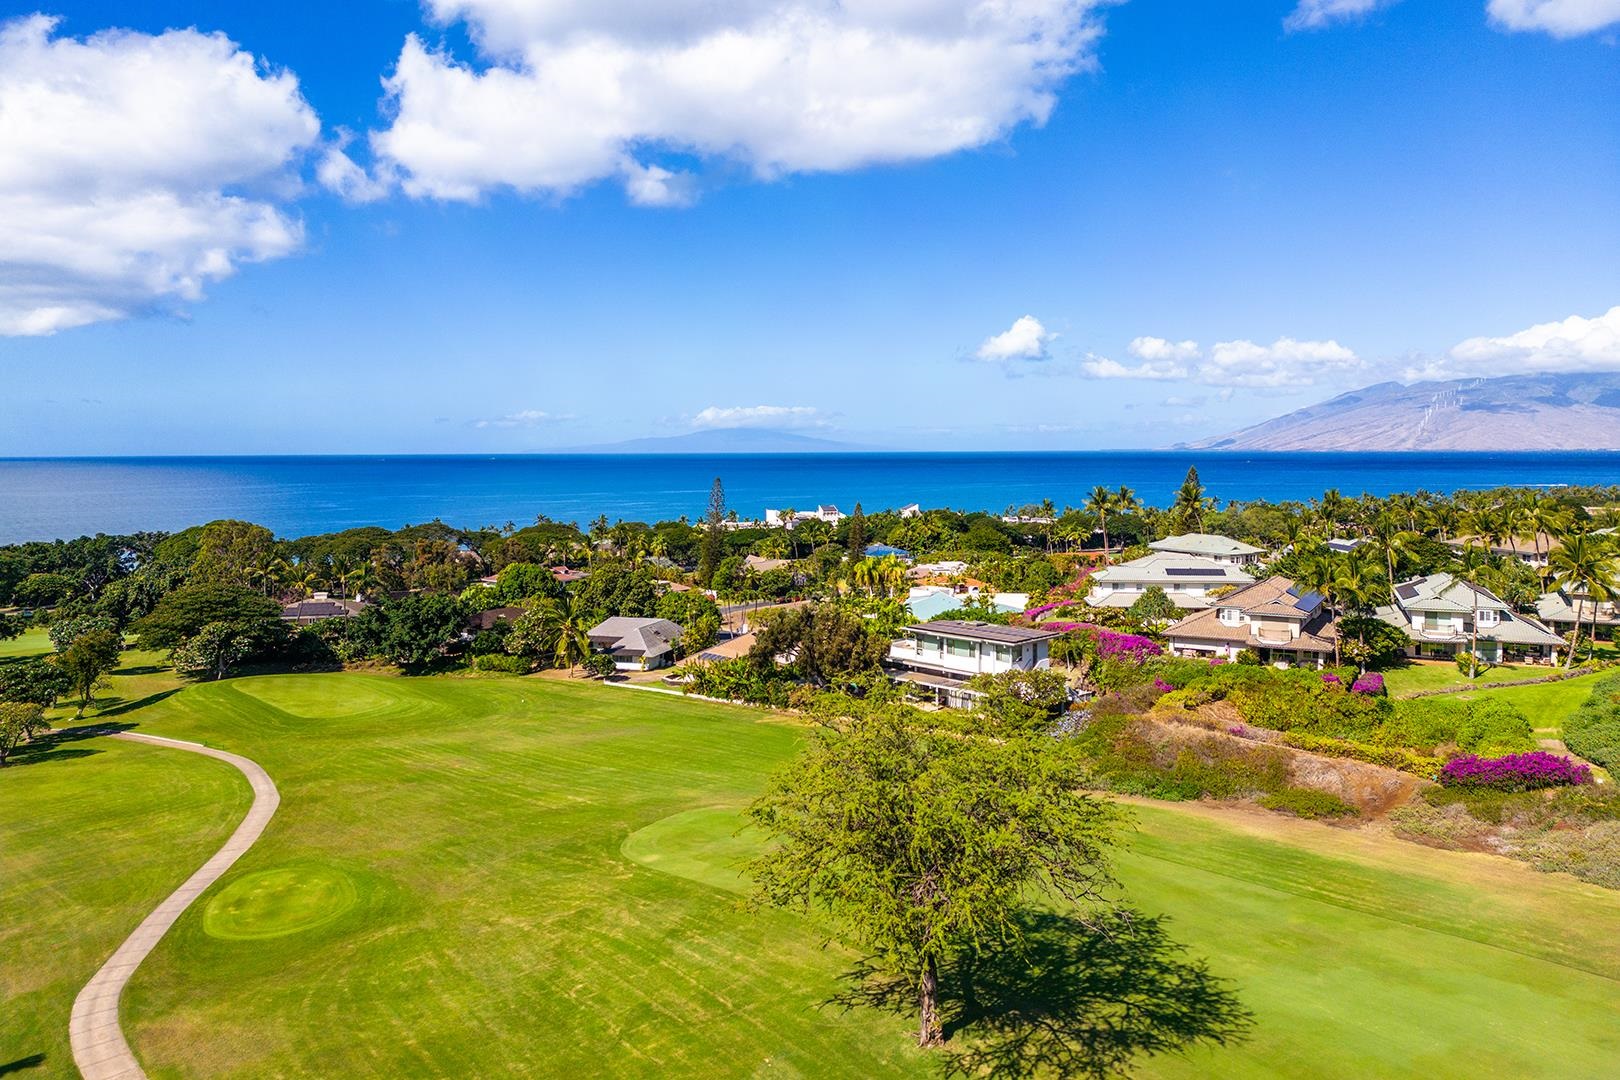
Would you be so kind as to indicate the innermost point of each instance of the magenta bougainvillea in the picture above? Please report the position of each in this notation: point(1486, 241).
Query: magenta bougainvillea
point(1111, 644)
point(1368, 682)
point(1515, 772)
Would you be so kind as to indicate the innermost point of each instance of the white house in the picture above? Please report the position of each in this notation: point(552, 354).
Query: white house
point(1443, 614)
point(636, 644)
point(911, 510)
point(943, 655)
point(783, 519)
point(1186, 579)
point(1560, 610)
point(1222, 549)
point(1285, 624)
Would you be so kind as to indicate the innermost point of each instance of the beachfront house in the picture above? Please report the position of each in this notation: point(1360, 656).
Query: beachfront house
point(786, 519)
point(1222, 549)
point(636, 644)
point(1533, 551)
point(1281, 622)
point(942, 656)
point(1188, 580)
point(1446, 615)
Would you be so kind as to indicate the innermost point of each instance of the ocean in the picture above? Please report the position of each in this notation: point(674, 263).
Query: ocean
point(51, 498)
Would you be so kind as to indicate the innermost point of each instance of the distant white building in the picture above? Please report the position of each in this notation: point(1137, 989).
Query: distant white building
point(786, 520)
point(1186, 579)
point(1443, 615)
point(911, 510)
point(1222, 549)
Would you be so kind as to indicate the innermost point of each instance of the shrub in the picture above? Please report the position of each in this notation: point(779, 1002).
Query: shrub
point(1248, 658)
point(1493, 727)
point(1307, 803)
point(1467, 664)
point(1515, 772)
point(1390, 757)
point(1593, 731)
point(599, 665)
point(512, 665)
point(1592, 854)
point(1423, 722)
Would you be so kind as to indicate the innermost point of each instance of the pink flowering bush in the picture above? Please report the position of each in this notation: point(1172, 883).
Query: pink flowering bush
point(1514, 772)
point(1161, 686)
point(1330, 678)
point(1368, 682)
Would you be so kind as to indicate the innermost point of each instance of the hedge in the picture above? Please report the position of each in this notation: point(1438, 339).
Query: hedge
point(1593, 731)
point(1390, 757)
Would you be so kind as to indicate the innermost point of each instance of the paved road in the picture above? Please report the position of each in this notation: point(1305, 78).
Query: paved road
point(99, 1048)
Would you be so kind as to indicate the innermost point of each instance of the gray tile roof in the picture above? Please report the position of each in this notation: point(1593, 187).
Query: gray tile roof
point(1170, 570)
point(980, 631)
point(635, 637)
point(1205, 544)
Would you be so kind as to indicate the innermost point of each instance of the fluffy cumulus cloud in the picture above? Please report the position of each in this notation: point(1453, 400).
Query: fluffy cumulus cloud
point(758, 416)
point(135, 169)
point(569, 92)
point(1560, 18)
point(1574, 344)
point(1025, 339)
point(1284, 363)
point(1316, 14)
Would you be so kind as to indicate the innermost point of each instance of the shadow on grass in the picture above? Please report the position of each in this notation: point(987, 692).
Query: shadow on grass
point(130, 706)
point(144, 669)
point(32, 1061)
point(1071, 1000)
point(58, 745)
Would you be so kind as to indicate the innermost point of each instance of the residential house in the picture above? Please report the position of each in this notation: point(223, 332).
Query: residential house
point(489, 618)
point(1344, 545)
point(760, 565)
point(564, 576)
point(320, 607)
point(781, 518)
point(942, 656)
point(1560, 610)
point(1285, 624)
point(1222, 549)
point(1188, 580)
point(1532, 551)
point(945, 568)
point(1446, 615)
point(636, 644)
point(910, 510)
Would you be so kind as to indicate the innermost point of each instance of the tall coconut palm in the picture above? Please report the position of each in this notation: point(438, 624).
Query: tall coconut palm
point(1101, 502)
point(1190, 502)
point(1583, 565)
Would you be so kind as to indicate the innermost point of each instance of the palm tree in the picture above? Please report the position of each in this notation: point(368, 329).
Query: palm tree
point(1318, 572)
point(1583, 565)
point(1191, 502)
point(564, 624)
point(1100, 502)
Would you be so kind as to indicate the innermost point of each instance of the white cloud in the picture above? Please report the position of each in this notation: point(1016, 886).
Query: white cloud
point(338, 173)
point(1575, 344)
point(772, 416)
point(129, 166)
point(1317, 14)
point(576, 91)
point(1284, 363)
point(1025, 339)
point(526, 418)
point(1154, 348)
point(1560, 18)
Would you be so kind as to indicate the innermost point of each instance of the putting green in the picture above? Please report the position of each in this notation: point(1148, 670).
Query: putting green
point(708, 845)
point(275, 903)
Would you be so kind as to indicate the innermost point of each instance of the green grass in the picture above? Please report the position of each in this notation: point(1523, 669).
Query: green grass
point(1435, 675)
point(1547, 705)
point(31, 643)
point(494, 876)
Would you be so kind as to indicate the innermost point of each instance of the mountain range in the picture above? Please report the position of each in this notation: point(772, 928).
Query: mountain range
point(1511, 412)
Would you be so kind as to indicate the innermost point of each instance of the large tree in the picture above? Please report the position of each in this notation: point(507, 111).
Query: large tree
point(821, 642)
point(714, 541)
point(19, 723)
point(228, 551)
point(921, 846)
point(37, 682)
point(87, 661)
point(184, 612)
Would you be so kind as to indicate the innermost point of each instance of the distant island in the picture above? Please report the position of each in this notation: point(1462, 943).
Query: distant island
point(1514, 412)
point(725, 441)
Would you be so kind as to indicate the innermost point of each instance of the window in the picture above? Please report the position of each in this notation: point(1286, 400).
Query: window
point(957, 647)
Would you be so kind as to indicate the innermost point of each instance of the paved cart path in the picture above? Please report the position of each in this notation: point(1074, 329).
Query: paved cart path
point(99, 1048)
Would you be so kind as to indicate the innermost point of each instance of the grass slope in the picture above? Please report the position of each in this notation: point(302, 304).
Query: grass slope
point(498, 876)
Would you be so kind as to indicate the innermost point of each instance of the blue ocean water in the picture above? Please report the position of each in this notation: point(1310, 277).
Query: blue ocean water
point(48, 498)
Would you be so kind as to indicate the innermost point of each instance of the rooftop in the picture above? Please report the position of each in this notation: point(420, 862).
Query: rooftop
point(982, 631)
point(636, 637)
point(1205, 544)
point(1171, 569)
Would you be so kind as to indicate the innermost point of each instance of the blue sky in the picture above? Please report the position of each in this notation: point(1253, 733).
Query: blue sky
point(1221, 217)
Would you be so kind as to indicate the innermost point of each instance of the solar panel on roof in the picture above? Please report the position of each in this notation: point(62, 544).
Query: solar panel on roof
point(1406, 592)
point(1194, 571)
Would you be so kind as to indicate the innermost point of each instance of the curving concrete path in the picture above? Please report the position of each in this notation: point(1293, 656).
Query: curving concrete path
point(99, 1048)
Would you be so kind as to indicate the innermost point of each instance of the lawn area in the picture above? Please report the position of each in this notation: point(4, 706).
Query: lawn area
point(31, 643)
point(1438, 675)
point(484, 877)
point(1546, 704)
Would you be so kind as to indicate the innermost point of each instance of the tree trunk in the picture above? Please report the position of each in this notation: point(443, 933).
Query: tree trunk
point(1575, 637)
point(928, 1028)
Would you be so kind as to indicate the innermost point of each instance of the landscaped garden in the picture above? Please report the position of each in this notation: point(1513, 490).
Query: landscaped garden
point(482, 876)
